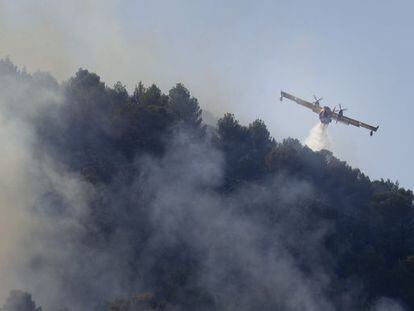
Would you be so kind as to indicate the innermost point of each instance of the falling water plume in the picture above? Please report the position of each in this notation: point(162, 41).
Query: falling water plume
point(318, 138)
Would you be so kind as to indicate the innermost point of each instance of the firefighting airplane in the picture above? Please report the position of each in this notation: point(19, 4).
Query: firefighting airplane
point(326, 114)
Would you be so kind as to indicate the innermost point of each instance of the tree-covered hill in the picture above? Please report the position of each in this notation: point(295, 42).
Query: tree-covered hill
point(135, 204)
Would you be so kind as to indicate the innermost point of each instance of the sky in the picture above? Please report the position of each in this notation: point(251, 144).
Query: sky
point(236, 56)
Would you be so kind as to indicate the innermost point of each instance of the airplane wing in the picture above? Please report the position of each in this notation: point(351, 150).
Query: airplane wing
point(314, 107)
point(353, 122)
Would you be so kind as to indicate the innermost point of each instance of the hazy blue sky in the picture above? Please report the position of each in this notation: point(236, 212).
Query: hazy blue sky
point(237, 55)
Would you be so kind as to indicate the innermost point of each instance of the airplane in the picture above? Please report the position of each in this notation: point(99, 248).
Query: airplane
point(326, 114)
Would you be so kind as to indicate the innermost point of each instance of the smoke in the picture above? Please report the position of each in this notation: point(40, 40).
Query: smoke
point(140, 46)
point(52, 249)
point(240, 256)
point(387, 304)
point(318, 138)
point(166, 218)
point(26, 180)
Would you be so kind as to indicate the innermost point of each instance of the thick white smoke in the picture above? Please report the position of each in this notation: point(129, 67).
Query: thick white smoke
point(318, 138)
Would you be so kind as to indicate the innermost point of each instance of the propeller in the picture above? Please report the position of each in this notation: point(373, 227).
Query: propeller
point(342, 109)
point(317, 100)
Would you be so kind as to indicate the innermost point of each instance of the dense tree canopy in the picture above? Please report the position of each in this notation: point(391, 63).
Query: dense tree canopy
point(102, 132)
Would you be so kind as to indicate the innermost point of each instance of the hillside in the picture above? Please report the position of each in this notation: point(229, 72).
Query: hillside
point(119, 201)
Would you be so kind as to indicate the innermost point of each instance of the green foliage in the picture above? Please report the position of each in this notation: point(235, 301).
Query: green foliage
point(120, 94)
point(184, 107)
point(245, 148)
point(153, 97)
point(7, 67)
point(20, 301)
point(100, 132)
point(138, 95)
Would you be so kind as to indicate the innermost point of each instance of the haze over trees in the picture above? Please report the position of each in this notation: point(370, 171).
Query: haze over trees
point(136, 204)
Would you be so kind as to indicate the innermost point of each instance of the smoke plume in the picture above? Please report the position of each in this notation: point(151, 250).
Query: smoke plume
point(53, 248)
point(76, 244)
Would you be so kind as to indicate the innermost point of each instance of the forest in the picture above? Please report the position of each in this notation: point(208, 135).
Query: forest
point(133, 202)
